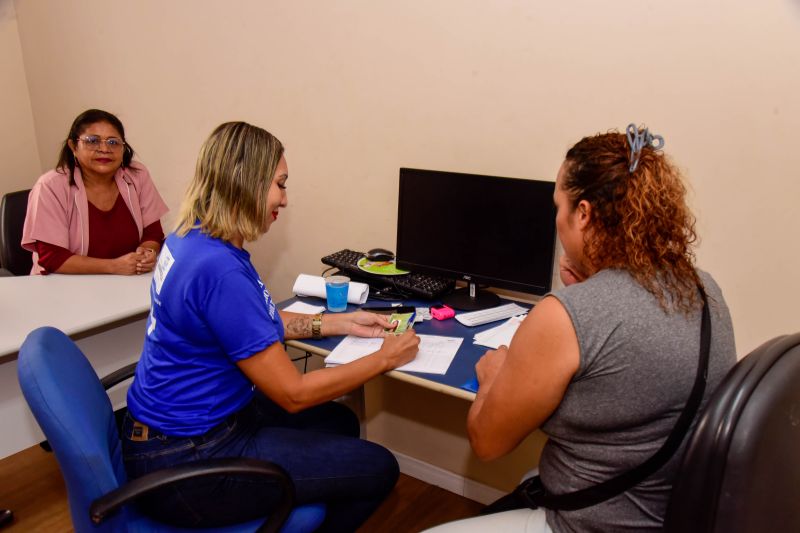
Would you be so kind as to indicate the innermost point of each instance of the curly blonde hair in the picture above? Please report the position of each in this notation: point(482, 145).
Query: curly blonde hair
point(640, 221)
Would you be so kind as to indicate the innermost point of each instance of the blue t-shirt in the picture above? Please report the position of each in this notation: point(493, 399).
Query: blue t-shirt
point(209, 309)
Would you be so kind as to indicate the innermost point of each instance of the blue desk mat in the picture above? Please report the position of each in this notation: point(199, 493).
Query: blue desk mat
point(471, 385)
point(460, 375)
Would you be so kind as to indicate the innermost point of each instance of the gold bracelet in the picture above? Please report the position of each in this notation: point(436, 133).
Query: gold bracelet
point(316, 326)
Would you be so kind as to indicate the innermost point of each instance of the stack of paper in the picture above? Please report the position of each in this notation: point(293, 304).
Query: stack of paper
point(434, 356)
point(500, 335)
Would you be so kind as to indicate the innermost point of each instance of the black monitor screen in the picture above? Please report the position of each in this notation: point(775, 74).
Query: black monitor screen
point(489, 230)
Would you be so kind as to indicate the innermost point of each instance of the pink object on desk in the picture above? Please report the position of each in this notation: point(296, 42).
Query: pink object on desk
point(442, 313)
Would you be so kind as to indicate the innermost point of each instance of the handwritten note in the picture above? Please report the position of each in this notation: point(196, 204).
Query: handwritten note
point(434, 356)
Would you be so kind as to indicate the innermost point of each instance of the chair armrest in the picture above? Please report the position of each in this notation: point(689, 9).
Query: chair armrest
point(118, 376)
point(108, 504)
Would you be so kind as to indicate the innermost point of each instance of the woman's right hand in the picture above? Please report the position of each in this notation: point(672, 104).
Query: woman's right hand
point(489, 365)
point(400, 349)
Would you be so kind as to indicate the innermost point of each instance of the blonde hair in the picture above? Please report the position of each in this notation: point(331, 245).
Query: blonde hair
point(228, 194)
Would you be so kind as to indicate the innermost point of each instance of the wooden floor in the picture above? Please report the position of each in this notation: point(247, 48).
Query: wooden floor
point(31, 486)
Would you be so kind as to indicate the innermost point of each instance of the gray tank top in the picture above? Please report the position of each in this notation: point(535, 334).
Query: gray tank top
point(637, 368)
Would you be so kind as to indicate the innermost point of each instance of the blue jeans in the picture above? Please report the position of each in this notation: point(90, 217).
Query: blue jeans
point(319, 447)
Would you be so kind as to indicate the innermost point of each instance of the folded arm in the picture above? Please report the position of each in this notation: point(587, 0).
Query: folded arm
point(60, 260)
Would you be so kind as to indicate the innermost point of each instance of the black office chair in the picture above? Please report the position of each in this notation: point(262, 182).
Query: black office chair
point(741, 469)
point(13, 257)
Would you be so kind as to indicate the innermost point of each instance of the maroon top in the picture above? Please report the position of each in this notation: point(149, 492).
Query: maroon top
point(112, 233)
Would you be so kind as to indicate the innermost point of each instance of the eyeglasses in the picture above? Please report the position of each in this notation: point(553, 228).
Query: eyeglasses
point(93, 141)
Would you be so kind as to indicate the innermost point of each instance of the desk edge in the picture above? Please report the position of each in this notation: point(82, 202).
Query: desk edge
point(82, 334)
point(396, 374)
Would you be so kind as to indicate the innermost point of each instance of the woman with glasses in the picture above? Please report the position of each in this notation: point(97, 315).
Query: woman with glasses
point(98, 211)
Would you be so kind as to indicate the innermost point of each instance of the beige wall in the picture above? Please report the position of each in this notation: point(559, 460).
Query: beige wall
point(356, 89)
point(19, 155)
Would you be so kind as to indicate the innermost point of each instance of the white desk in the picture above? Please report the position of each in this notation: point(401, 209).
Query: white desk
point(105, 315)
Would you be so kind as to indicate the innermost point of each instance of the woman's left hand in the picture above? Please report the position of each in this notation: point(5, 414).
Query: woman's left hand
point(146, 260)
point(364, 324)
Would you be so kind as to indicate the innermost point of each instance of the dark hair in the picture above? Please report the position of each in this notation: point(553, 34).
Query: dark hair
point(640, 221)
point(66, 160)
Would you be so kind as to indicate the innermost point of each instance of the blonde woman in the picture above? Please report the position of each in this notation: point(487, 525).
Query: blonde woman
point(214, 379)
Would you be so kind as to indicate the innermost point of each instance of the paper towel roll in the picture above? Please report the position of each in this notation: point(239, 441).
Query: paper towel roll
point(307, 285)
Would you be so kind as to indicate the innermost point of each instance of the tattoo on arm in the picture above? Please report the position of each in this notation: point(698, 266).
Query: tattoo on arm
point(299, 327)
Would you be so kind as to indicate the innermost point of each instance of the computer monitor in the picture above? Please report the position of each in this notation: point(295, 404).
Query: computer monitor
point(481, 229)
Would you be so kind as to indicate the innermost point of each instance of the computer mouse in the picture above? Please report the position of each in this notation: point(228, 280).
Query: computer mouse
point(379, 254)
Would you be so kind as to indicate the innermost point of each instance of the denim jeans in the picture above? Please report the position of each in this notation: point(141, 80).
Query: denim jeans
point(319, 447)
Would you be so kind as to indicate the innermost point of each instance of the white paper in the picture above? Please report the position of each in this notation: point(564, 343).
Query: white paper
point(306, 285)
point(304, 308)
point(499, 335)
point(434, 356)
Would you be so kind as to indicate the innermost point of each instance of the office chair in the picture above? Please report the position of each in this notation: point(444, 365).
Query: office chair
point(73, 409)
point(741, 469)
point(13, 257)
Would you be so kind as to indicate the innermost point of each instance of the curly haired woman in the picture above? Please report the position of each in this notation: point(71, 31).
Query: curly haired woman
point(605, 365)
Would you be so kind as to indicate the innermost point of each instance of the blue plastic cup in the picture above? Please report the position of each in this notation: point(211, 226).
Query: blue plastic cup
point(336, 291)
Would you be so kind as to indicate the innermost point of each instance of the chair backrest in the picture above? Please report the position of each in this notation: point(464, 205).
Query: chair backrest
point(13, 257)
point(741, 469)
point(72, 408)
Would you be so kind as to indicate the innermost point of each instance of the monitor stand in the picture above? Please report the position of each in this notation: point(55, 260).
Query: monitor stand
point(471, 299)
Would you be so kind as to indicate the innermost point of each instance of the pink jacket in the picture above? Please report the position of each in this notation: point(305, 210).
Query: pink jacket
point(58, 213)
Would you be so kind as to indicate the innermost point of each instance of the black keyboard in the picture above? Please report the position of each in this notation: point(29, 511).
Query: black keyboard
point(411, 285)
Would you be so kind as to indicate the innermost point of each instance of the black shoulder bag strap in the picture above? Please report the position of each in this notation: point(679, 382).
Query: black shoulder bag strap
point(531, 493)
